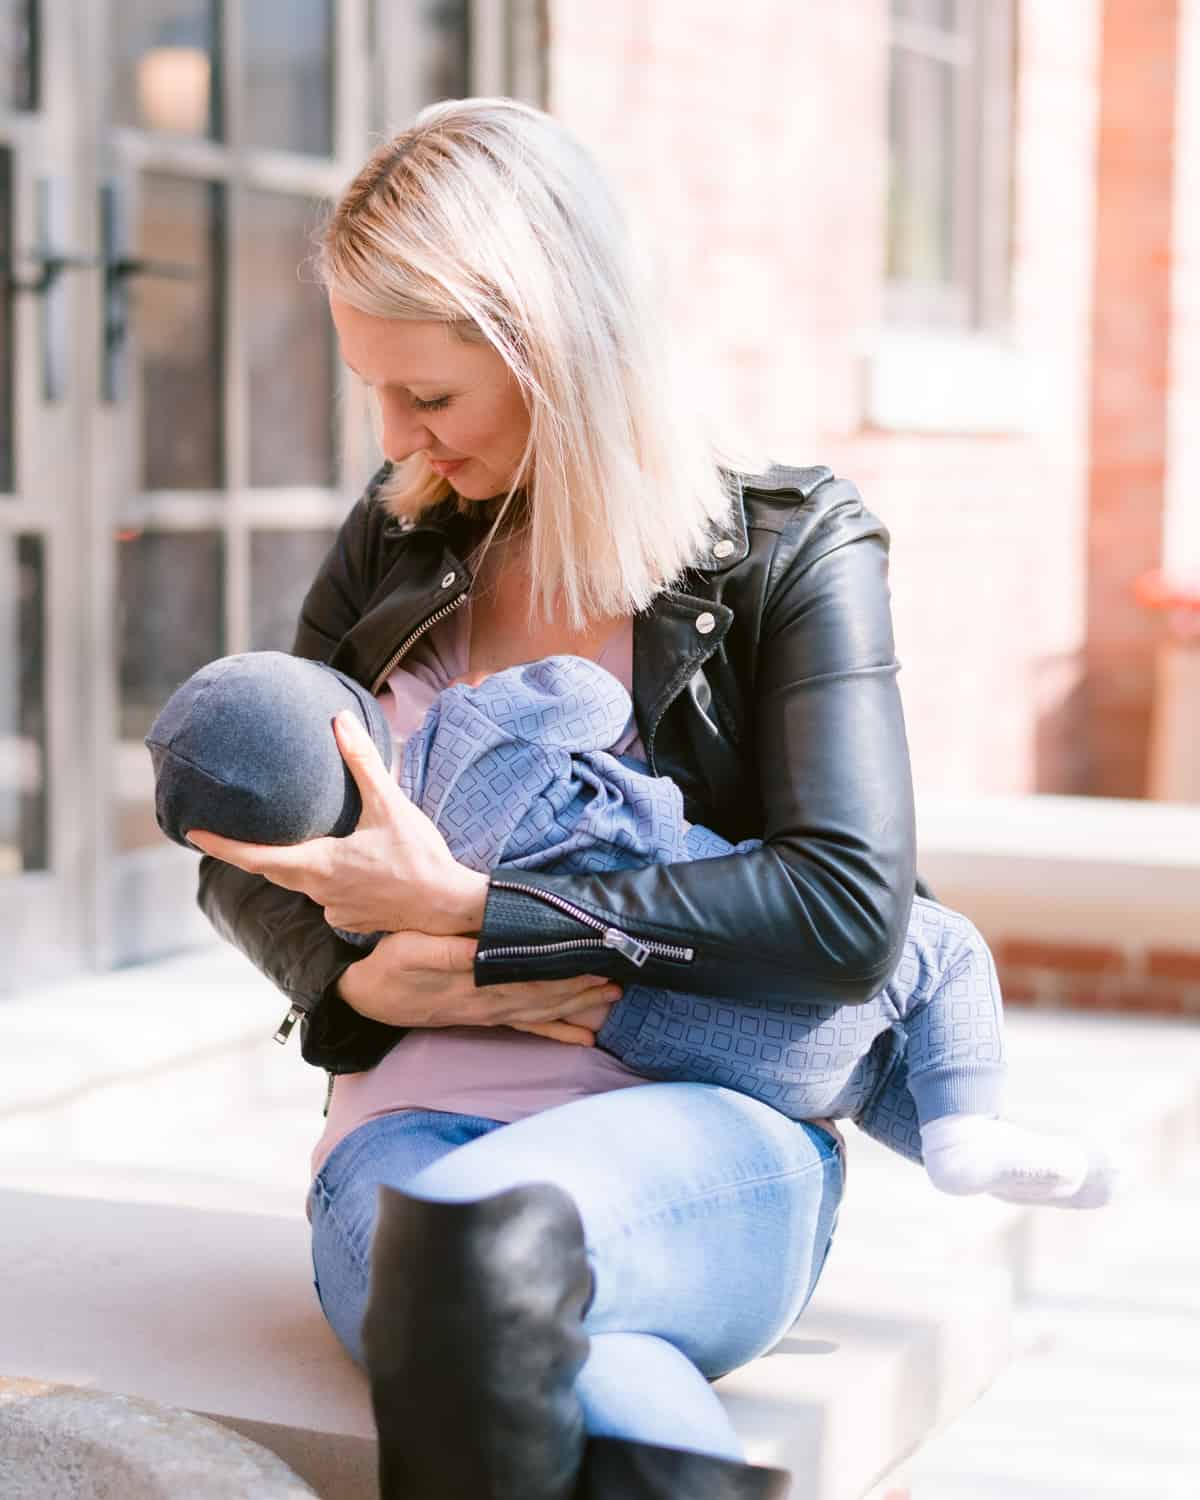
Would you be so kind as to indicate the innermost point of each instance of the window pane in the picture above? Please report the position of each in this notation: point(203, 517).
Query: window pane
point(287, 102)
point(938, 13)
point(18, 54)
point(443, 61)
point(178, 327)
point(7, 462)
point(164, 74)
point(169, 623)
point(290, 342)
point(282, 565)
point(420, 52)
point(923, 133)
point(23, 801)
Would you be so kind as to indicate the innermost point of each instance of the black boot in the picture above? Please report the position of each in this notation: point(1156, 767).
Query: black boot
point(473, 1338)
point(616, 1469)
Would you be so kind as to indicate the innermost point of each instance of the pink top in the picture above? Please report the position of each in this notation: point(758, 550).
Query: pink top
point(488, 1071)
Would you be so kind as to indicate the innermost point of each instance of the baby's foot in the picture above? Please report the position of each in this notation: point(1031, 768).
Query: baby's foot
point(979, 1154)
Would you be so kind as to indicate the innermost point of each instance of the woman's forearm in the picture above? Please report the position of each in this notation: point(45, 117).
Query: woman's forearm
point(820, 911)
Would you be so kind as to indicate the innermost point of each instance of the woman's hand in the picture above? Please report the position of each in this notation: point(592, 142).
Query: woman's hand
point(579, 1031)
point(415, 979)
point(394, 873)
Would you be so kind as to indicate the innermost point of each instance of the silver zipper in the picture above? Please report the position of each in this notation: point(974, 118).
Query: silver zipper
point(572, 945)
point(636, 950)
point(287, 1025)
point(406, 645)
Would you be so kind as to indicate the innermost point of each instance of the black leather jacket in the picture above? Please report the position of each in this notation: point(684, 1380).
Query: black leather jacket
point(764, 685)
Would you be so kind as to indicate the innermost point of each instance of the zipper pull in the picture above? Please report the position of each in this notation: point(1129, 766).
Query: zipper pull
point(287, 1024)
point(628, 947)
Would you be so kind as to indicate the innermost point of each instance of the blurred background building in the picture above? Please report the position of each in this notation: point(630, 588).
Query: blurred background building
point(949, 247)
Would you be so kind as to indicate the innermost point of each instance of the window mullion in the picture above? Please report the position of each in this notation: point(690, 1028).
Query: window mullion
point(997, 83)
point(966, 198)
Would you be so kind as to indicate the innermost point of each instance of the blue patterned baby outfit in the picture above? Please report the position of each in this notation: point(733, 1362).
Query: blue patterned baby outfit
point(515, 773)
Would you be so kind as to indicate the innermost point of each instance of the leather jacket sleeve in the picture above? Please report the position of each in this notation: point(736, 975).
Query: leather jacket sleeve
point(818, 914)
point(281, 932)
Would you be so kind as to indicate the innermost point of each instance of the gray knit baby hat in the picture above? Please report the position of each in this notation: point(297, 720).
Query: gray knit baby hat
point(245, 749)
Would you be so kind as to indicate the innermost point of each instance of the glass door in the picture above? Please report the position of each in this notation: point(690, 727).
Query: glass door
point(225, 128)
point(177, 446)
point(46, 847)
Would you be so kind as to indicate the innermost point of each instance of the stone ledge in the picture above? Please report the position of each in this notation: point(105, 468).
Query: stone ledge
point(209, 1308)
point(207, 1312)
point(911, 1346)
point(1082, 869)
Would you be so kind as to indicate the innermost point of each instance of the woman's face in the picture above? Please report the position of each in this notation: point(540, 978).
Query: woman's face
point(456, 402)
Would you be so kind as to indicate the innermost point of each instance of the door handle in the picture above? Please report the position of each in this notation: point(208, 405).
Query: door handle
point(53, 263)
point(46, 286)
point(120, 267)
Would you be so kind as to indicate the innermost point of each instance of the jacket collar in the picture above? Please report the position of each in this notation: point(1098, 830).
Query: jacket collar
point(673, 636)
point(730, 544)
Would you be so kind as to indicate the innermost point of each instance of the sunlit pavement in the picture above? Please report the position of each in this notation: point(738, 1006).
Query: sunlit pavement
point(1103, 1401)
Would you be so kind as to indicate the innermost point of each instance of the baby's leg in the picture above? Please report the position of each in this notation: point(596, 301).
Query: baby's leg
point(947, 995)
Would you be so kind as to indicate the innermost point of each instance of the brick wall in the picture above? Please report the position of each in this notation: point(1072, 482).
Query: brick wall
point(1099, 976)
point(1182, 520)
point(751, 142)
point(1136, 192)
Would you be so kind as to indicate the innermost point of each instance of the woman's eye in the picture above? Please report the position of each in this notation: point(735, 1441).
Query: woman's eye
point(436, 405)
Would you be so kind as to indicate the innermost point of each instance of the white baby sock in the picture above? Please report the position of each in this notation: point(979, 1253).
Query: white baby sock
point(981, 1154)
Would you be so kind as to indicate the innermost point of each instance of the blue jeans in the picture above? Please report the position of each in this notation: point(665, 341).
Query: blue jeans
point(708, 1217)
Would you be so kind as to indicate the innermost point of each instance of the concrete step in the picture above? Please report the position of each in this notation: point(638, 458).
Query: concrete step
point(206, 1310)
point(154, 1135)
point(875, 1366)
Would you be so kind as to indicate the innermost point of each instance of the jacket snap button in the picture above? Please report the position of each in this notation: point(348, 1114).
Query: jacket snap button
point(706, 623)
point(723, 548)
point(448, 580)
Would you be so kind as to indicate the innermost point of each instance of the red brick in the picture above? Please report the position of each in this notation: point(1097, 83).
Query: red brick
point(1135, 200)
point(693, 109)
point(1018, 989)
point(1173, 963)
point(1152, 999)
point(1068, 958)
point(1086, 997)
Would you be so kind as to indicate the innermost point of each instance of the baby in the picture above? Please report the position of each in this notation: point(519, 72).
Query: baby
point(514, 769)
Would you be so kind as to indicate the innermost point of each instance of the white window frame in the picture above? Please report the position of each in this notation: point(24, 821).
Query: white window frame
point(943, 359)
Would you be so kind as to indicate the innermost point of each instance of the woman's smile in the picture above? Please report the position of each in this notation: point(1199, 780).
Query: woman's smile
point(435, 391)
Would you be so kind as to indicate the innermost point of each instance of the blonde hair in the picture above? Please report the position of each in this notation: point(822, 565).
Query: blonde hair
point(489, 216)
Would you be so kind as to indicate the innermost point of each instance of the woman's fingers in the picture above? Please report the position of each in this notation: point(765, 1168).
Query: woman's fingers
point(562, 1002)
point(594, 1017)
point(558, 1031)
point(296, 867)
point(375, 783)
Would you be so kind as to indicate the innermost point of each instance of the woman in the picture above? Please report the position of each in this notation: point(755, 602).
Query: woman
point(561, 1255)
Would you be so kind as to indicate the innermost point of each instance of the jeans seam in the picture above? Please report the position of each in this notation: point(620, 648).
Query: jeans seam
point(327, 1200)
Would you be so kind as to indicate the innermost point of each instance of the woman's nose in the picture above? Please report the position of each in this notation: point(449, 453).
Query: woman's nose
point(402, 439)
point(404, 433)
